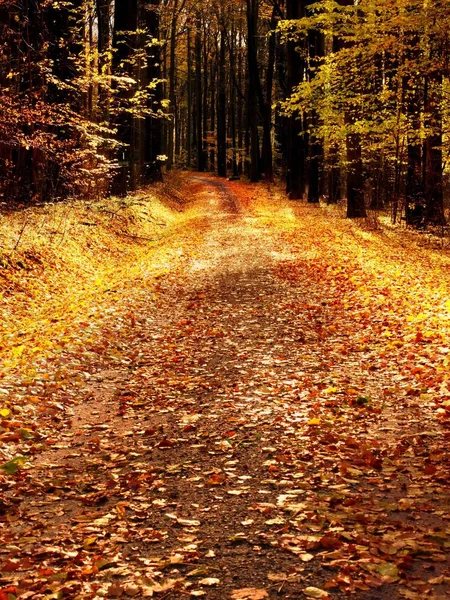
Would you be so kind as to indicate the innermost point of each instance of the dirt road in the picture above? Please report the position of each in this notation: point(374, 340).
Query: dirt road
point(243, 434)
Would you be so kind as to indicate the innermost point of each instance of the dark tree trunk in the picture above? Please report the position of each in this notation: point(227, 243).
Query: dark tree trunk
point(267, 154)
point(206, 108)
point(164, 126)
point(153, 124)
point(233, 93)
point(415, 196)
point(125, 20)
point(240, 107)
point(221, 109)
point(189, 103)
point(333, 163)
point(334, 175)
point(253, 80)
point(172, 84)
point(256, 99)
point(213, 86)
point(434, 204)
point(65, 42)
point(316, 42)
point(199, 95)
point(295, 138)
point(103, 45)
point(355, 181)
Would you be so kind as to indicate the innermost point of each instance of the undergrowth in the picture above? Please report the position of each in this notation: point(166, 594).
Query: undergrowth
point(57, 263)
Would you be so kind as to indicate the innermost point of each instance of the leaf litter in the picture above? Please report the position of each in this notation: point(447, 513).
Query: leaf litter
point(269, 418)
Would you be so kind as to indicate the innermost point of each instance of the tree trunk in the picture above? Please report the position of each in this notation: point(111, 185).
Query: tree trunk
point(240, 107)
point(172, 83)
point(206, 108)
point(355, 182)
point(334, 175)
point(253, 79)
point(189, 103)
point(295, 139)
point(125, 20)
point(212, 88)
point(316, 42)
point(267, 154)
point(153, 124)
point(198, 94)
point(415, 197)
point(434, 207)
point(233, 100)
point(221, 109)
point(104, 63)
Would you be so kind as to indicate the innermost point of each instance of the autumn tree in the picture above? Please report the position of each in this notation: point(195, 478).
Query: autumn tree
point(338, 98)
point(377, 101)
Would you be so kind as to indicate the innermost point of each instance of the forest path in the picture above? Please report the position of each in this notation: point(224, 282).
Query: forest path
point(244, 439)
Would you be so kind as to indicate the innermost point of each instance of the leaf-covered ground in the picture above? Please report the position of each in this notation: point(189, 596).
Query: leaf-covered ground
point(258, 409)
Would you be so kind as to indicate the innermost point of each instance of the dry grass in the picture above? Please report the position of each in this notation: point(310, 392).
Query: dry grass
point(59, 262)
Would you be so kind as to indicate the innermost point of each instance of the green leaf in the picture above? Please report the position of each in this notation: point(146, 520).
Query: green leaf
point(388, 570)
point(26, 434)
point(13, 465)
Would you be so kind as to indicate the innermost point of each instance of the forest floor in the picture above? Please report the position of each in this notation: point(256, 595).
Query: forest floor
point(254, 406)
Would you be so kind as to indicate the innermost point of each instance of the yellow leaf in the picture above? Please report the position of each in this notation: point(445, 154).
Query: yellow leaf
point(305, 556)
point(314, 421)
point(18, 351)
point(313, 592)
point(209, 581)
point(5, 412)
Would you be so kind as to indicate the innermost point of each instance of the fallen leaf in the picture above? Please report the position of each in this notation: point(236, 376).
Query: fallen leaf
point(313, 592)
point(188, 522)
point(249, 594)
point(209, 581)
point(388, 570)
point(131, 590)
point(10, 566)
point(305, 556)
point(216, 479)
point(13, 465)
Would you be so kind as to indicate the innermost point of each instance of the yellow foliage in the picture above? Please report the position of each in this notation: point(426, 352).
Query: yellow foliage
point(64, 261)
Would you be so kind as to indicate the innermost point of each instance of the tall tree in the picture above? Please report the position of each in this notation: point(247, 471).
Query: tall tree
point(221, 104)
point(355, 180)
point(104, 63)
point(199, 91)
point(295, 139)
point(433, 122)
point(253, 82)
point(124, 44)
point(153, 120)
point(316, 50)
point(189, 101)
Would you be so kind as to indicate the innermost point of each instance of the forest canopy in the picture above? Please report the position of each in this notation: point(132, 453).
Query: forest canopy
point(340, 99)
